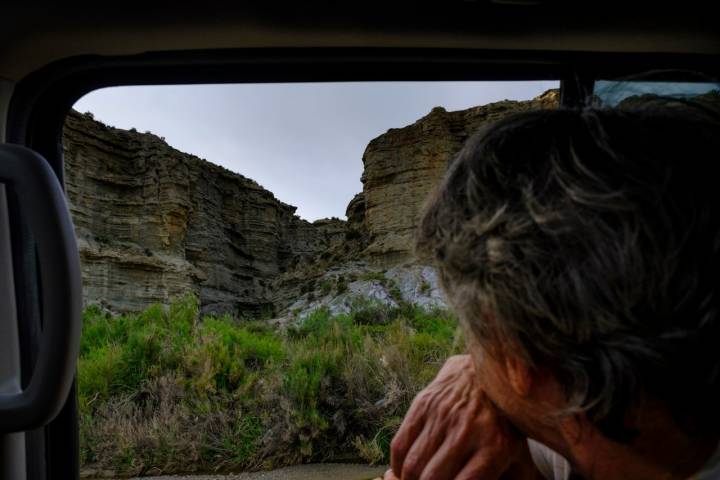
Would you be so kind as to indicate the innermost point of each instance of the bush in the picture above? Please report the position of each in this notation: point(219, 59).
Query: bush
point(425, 287)
point(326, 287)
point(164, 391)
point(342, 286)
point(374, 276)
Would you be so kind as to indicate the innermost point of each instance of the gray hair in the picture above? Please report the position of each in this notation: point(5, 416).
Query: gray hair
point(588, 240)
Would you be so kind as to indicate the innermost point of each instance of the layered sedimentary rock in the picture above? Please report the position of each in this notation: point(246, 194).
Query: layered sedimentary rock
point(402, 166)
point(153, 223)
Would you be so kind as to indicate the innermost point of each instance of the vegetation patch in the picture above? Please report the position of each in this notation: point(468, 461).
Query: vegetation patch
point(374, 276)
point(165, 391)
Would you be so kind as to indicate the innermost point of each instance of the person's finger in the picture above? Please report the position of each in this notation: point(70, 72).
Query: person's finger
point(408, 433)
point(456, 446)
point(422, 450)
point(389, 475)
point(450, 457)
point(485, 466)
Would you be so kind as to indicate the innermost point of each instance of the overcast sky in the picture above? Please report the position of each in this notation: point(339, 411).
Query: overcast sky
point(303, 142)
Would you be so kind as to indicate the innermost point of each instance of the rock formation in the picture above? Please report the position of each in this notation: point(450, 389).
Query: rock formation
point(154, 223)
point(402, 166)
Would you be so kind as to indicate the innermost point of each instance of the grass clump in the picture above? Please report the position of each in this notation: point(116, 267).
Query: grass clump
point(374, 276)
point(425, 287)
point(166, 391)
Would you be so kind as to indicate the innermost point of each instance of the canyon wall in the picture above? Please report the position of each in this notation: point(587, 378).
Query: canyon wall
point(402, 166)
point(154, 223)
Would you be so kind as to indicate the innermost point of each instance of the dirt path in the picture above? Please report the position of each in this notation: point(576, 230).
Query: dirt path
point(325, 471)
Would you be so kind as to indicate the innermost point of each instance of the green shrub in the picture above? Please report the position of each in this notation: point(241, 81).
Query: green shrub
point(374, 276)
point(425, 287)
point(342, 286)
point(165, 391)
point(369, 312)
point(326, 287)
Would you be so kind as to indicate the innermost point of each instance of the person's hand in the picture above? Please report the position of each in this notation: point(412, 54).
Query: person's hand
point(453, 431)
point(389, 475)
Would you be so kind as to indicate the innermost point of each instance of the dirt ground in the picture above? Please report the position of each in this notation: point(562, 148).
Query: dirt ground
point(325, 471)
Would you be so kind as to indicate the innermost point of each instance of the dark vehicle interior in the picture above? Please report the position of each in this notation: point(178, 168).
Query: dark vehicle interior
point(53, 54)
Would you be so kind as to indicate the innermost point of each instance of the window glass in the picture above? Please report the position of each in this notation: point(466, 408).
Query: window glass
point(251, 296)
point(610, 93)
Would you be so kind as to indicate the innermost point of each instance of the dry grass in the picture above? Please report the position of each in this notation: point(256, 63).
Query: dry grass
point(166, 392)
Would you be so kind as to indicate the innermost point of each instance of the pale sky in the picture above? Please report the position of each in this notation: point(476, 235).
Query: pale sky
point(304, 142)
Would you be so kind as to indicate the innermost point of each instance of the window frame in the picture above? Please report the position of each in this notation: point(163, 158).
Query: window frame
point(41, 101)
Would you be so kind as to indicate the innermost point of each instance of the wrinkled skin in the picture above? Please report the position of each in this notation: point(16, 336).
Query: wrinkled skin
point(453, 431)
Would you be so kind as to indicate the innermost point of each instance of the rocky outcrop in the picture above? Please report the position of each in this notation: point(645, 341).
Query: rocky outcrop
point(358, 285)
point(153, 223)
point(376, 263)
point(402, 166)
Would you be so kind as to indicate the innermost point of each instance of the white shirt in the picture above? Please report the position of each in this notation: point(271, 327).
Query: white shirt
point(553, 466)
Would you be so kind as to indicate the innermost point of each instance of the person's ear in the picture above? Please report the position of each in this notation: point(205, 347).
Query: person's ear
point(519, 375)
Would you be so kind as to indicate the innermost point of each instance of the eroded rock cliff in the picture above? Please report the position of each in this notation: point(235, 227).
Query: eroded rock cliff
point(402, 166)
point(154, 223)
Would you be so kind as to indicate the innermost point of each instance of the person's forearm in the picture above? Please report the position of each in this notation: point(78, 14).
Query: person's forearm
point(453, 431)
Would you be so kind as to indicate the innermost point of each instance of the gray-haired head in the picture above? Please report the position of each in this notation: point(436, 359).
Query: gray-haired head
point(589, 240)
